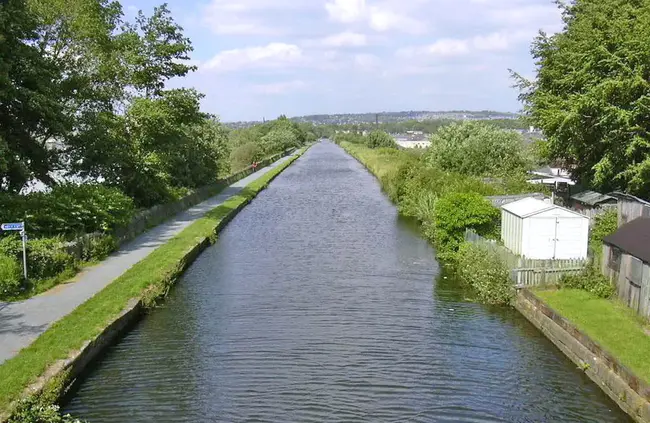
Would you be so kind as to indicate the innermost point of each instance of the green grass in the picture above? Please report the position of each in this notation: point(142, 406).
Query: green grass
point(146, 280)
point(614, 326)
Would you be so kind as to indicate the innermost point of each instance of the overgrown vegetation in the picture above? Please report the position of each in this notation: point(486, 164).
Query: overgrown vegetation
point(450, 199)
point(483, 270)
point(146, 280)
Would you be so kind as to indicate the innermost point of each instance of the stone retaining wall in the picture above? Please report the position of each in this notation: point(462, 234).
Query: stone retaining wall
point(627, 390)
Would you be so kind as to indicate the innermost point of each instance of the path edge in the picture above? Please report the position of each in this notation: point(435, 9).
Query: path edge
point(59, 377)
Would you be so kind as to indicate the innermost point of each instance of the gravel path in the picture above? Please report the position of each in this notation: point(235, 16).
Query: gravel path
point(22, 322)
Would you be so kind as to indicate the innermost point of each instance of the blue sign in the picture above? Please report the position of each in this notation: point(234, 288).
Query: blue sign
point(18, 226)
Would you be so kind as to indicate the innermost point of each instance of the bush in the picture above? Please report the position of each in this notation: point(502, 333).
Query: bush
point(482, 269)
point(10, 276)
point(37, 411)
point(244, 155)
point(590, 280)
point(604, 225)
point(478, 149)
point(45, 258)
point(379, 139)
point(69, 210)
point(454, 213)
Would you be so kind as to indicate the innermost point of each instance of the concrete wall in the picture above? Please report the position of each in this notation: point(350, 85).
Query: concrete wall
point(628, 391)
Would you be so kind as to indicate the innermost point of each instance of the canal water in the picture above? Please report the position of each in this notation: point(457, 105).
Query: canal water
point(319, 304)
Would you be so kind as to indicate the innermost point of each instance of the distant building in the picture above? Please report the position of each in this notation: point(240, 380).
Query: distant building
point(626, 262)
point(589, 200)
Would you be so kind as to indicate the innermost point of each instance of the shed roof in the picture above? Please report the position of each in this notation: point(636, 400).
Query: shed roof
point(531, 206)
point(592, 198)
point(527, 206)
point(633, 238)
point(501, 200)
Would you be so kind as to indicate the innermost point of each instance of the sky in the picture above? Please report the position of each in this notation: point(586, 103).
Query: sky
point(262, 58)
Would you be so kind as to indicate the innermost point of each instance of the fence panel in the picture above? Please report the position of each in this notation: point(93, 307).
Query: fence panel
point(529, 272)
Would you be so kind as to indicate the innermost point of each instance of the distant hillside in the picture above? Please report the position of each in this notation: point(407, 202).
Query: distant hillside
point(392, 117)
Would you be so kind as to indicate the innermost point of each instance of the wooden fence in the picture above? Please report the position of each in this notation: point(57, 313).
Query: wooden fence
point(529, 272)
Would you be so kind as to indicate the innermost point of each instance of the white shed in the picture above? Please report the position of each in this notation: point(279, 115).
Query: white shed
point(538, 230)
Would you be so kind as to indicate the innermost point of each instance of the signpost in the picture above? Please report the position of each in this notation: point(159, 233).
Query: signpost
point(18, 226)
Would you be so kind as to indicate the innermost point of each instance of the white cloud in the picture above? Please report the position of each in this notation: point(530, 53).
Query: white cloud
point(380, 17)
point(273, 55)
point(246, 17)
point(386, 20)
point(278, 88)
point(447, 47)
point(366, 61)
point(343, 39)
point(346, 10)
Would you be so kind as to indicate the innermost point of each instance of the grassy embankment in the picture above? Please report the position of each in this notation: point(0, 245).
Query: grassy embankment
point(613, 325)
point(148, 280)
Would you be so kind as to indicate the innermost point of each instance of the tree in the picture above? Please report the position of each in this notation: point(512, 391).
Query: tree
point(591, 96)
point(32, 110)
point(378, 139)
point(478, 149)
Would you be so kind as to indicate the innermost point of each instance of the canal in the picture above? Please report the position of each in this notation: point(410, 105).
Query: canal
point(319, 304)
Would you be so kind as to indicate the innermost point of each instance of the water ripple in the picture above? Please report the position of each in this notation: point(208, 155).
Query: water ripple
point(318, 304)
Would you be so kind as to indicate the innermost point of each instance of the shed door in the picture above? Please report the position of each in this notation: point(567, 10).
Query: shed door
point(541, 243)
point(634, 279)
point(569, 238)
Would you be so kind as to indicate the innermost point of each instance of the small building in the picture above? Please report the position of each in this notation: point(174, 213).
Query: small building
point(589, 200)
point(536, 229)
point(630, 207)
point(626, 262)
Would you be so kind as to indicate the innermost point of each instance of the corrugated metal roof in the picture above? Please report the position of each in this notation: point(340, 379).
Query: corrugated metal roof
point(500, 200)
point(633, 238)
point(591, 197)
point(527, 207)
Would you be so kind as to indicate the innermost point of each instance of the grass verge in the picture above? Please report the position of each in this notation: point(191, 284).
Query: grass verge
point(614, 326)
point(148, 280)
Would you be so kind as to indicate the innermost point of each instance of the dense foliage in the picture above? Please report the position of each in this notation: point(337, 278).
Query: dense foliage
point(474, 148)
point(482, 269)
point(380, 139)
point(69, 210)
point(592, 93)
point(590, 280)
point(455, 213)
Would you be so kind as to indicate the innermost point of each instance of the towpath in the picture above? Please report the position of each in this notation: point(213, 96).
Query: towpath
point(22, 322)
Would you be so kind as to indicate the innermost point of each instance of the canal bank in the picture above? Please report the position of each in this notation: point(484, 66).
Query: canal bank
point(64, 350)
point(630, 392)
point(319, 303)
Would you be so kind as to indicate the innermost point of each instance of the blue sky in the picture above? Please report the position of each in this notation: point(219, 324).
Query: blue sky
point(262, 58)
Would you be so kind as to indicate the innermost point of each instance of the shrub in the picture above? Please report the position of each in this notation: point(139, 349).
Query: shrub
point(69, 210)
point(45, 258)
point(479, 149)
point(10, 276)
point(454, 213)
point(605, 224)
point(379, 139)
point(37, 411)
point(244, 155)
point(590, 280)
point(482, 269)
